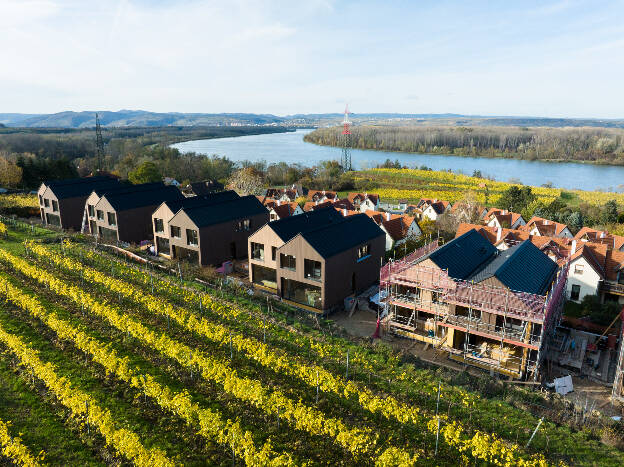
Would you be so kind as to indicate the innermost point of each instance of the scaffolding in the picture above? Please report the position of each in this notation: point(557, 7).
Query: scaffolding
point(618, 383)
point(487, 326)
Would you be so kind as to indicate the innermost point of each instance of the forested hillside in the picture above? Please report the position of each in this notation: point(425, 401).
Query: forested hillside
point(597, 145)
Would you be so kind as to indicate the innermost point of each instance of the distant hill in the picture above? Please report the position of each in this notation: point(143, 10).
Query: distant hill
point(142, 118)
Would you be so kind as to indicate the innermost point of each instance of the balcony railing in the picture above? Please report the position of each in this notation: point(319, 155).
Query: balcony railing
point(612, 287)
point(414, 301)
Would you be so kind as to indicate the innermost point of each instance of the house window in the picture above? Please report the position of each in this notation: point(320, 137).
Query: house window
point(273, 216)
point(91, 210)
point(578, 268)
point(312, 269)
point(46, 203)
point(176, 232)
point(112, 218)
point(191, 237)
point(288, 262)
point(243, 225)
point(100, 215)
point(40, 200)
point(54, 206)
point(159, 226)
point(363, 252)
point(273, 253)
point(257, 251)
point(575, 292)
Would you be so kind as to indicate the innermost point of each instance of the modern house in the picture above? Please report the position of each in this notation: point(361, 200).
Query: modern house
point(488, 308)
point(213, 233)
point(316, 260)
point(318, 269)
point(504, 219)
point(126, 215)
point(62, 202)
point(263, 243)
point(545, 227)
point(165, 212)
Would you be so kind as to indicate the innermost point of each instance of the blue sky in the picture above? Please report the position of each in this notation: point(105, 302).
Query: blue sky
point(554, 59)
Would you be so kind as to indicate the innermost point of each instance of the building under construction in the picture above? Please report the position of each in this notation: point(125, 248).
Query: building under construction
point(489, 308)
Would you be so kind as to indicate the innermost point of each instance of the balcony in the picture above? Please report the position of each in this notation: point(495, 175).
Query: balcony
point(612, 287)
point(512, 333)
point(412, 301)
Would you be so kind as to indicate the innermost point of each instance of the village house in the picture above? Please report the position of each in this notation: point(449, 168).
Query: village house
point(263, 243)
point(364, 201)
point(286, 195)
point(338, 204)
point(547, 228)
point(433, 210)
point(281, 210)
point(62, 202)
point(322, 196)
point(165, 212)
point(504, 219)
point(398, 228)
point(202, 188)
point(615, 242)
point(126, 215)
point(486, 307)
point(319, 268)
point(210, 234)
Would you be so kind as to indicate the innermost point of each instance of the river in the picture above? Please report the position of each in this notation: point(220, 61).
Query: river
point(290, 148)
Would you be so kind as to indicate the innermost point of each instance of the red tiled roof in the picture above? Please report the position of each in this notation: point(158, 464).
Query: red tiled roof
point(545, 226)
point(363, 196)
point(321, 193)
point(285, 209)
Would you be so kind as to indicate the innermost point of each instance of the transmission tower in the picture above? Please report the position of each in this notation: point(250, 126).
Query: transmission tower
point(99, 142)
point(345, 160)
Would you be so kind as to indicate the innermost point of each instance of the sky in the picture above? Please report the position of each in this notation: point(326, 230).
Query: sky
point(529, 58)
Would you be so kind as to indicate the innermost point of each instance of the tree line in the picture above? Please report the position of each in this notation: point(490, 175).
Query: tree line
point(598, 145)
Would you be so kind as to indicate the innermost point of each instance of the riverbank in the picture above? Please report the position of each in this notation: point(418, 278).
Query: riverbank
point(600, 146)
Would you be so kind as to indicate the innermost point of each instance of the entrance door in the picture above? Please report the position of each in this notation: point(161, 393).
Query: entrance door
point(92, 227)
point(233, 250)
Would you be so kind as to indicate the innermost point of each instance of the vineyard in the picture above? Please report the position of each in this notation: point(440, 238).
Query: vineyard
point(416, 184)
point(107, 362)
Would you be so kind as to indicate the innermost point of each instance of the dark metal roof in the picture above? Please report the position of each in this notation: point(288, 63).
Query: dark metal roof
point(342, 235)
point(290, 226)
point(463, 255)
point(75, 187)
point(218, 213)
point(203, 200)
point(522, 268)
point(126, 187)
point(205, 187)
point(138, 196)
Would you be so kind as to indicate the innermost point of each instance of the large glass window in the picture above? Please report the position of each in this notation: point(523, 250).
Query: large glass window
point(288, 262)
point(273, 253)
point(100, 215)
point(162, 244)
point(40, 200)
point(176, 232)
point(266, 277)
point(54, 206)
point(91, 210)
point(112, 218)
point(159, 226)
point(257, 251)
point(363, 251)
point(46, 202)
point(299, 292)
point(312, 269)
point(191, 237)
point(575, 293)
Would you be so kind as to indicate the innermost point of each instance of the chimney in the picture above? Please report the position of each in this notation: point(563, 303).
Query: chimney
point(499, 233)
point(573, 248)
point(387, 216)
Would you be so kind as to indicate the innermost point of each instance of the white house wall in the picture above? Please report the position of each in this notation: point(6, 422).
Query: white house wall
point(588, 280)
